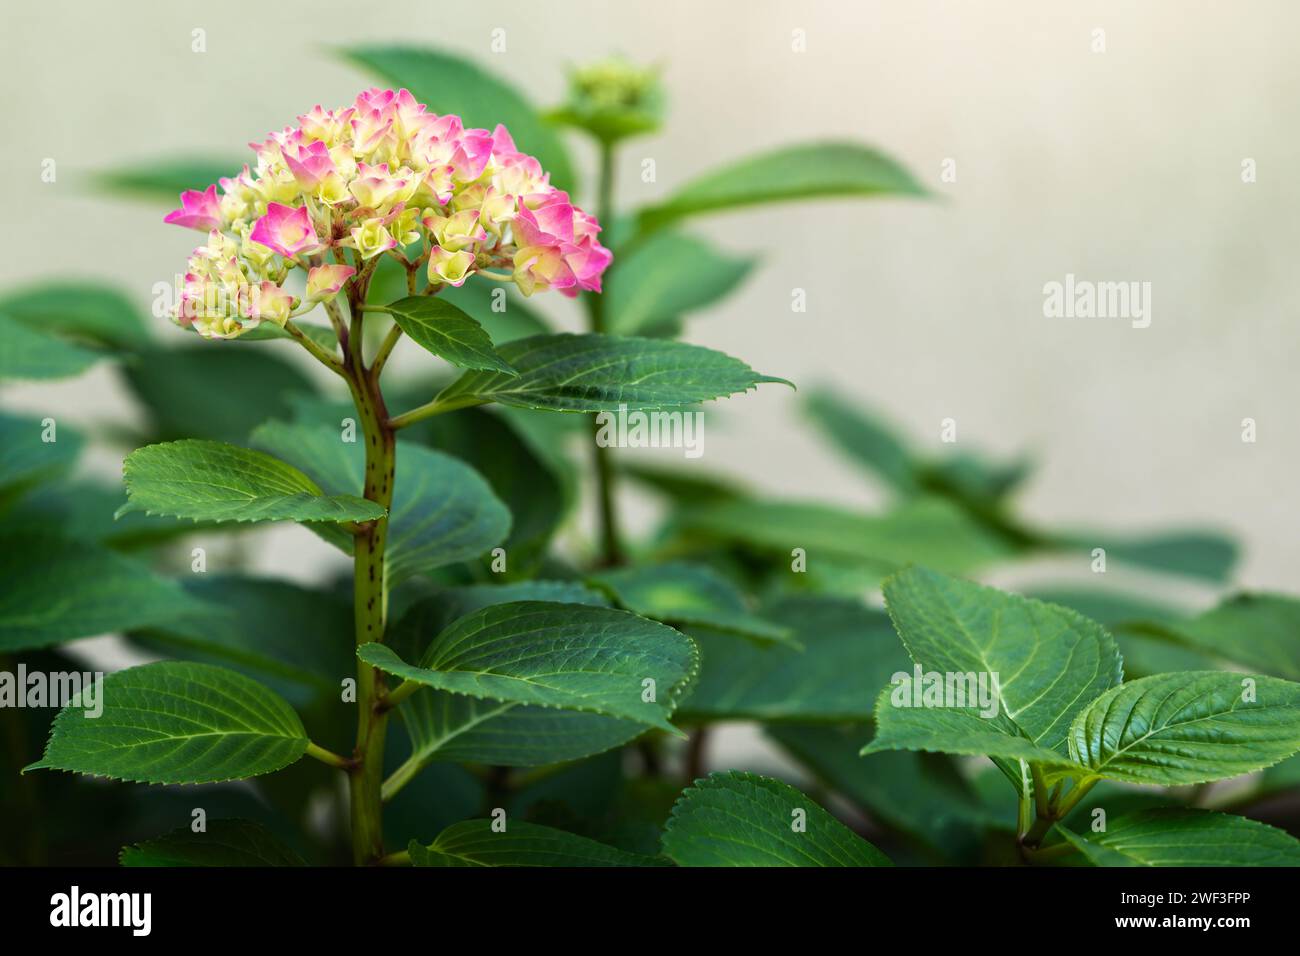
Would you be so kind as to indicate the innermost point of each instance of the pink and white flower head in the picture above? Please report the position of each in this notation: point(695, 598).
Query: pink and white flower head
point(380, 176)
point(286, 230)
point(199, 210)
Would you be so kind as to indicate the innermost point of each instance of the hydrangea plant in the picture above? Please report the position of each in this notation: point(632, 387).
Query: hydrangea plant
point(494, 694)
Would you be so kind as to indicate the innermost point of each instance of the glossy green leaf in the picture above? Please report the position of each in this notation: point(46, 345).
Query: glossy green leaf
point(174, 722)
point(1041, 665)
point(447, 83)
point(211, 481)
point(1186, 837)
point(592, 373)
point(848, 653)
point(805, 171)
point(474, 843)
point(453, 727)
point(224, 843)
point(742, 819)
point(1188, 727)
point(680, 592)
point(571, 656)
point(666, 277)
point(178, 388)
point(57, 590)
point(443, 511)
point(448, 332)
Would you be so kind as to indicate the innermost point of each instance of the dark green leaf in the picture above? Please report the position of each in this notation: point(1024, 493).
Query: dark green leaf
point(173, 722)
point(570, 656)
point(1186, 837)
point(741, 819)
point(57, 590)
point(439, 327)
point(215, 390)
point(211, 481)
point(848, 653)
point(679, 592)
point(474, 843)
point(592, 373)
point(1188, 727)
point(443, 511)
point(224, 843)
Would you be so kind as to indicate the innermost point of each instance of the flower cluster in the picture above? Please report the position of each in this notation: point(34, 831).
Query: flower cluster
point(382, 176)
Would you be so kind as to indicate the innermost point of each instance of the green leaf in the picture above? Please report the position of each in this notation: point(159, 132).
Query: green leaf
point(29, 458)
point(866, 440)
point(256, 626)
point(1186, 837)
point(1049, 662)
point(804, 171)
point(680, 592)
point(82, 310)
point(1186, 728)
point(211, 481)
point(667, 276)
point(447, 83)
point(922, 795)
point(84, 511)
point(742, 819)
point(926, 531)
point(526, 481)
point(173, 722)
point(166, 179)
point(570, 656)
point(1256, 630)
point(26, 353)
point(439, 327)
point(503, 312)
point(1140, 626)
point(452, 727)
point(592, 373)
point(57, 590)
point(224, 843)
point(1207, 555)
point(848, 653)
point(473, 843)
point(443, 511)
point(179, 388)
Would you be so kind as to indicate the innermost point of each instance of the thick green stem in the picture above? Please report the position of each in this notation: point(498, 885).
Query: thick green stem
point(611, 545)
point(370, 603)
